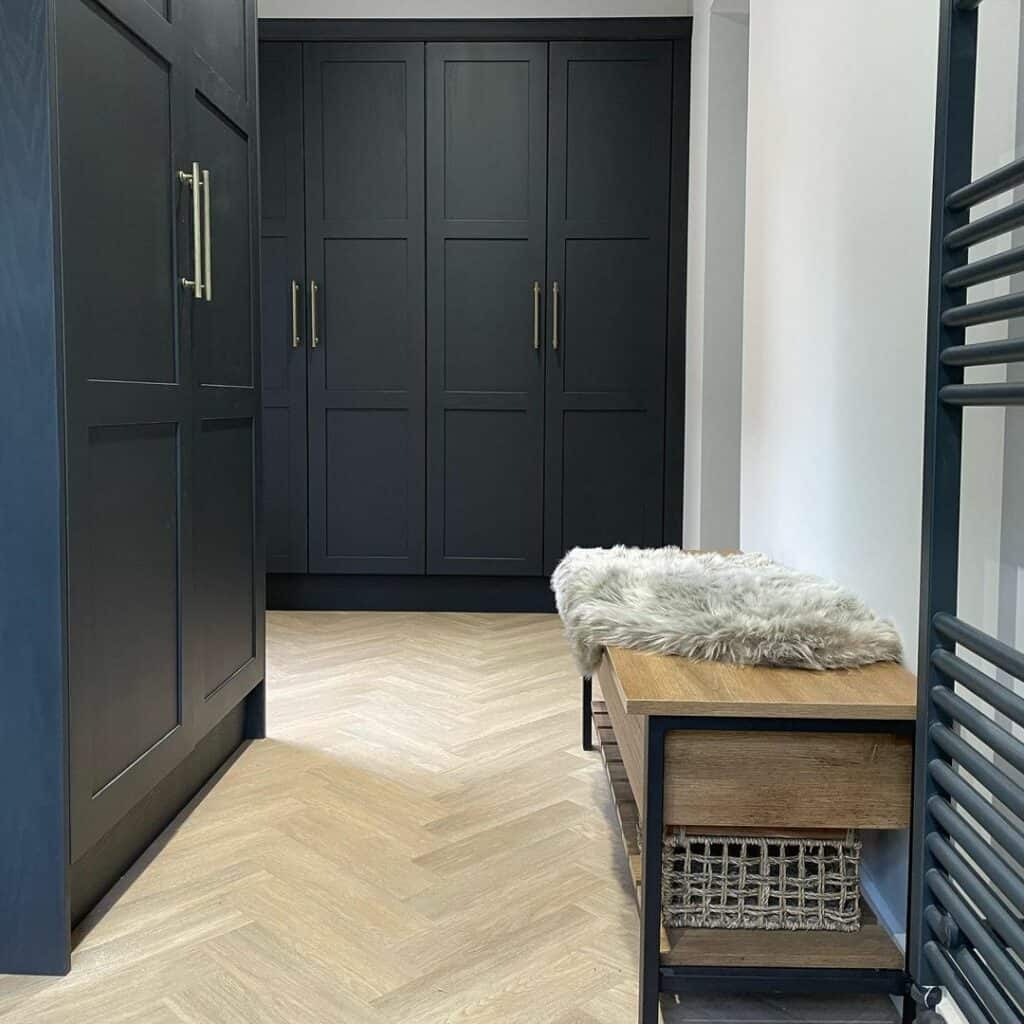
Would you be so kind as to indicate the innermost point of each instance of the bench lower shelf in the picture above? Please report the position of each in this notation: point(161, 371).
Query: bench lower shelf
point(871, 948)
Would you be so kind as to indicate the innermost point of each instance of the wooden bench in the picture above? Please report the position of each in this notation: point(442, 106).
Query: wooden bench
point(737, 749)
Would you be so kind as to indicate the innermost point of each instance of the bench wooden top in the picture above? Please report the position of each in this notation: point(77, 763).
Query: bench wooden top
point(653, 684)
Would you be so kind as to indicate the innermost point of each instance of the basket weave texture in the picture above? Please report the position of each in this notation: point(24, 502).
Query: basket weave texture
point(761, 882)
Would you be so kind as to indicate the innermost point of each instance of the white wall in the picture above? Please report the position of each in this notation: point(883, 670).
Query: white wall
point(838, 206)
point(473, 8)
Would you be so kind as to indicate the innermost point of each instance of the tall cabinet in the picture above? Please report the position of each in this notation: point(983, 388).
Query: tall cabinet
point(133, 346)
point(473, 276)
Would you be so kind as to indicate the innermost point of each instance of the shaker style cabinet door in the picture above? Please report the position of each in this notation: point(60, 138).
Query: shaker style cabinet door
point(486, 167)
point(608, 218)
point(285, 339)
point(226, 624)
point(365, 298)
point(130, 456)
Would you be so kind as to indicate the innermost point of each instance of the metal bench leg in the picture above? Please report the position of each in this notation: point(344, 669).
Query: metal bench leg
point(650, 879)
point(588, 696)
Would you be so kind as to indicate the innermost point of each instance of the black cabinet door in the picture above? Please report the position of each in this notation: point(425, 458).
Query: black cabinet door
point(608, 217)
point(129, 448)
point(226, 620)
point(364, 238)
point(486, 166)
point(283, 323)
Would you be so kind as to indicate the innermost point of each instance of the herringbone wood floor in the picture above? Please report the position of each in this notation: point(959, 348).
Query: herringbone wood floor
point(421, 841)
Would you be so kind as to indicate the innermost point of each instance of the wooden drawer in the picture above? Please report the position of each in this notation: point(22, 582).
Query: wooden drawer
point(770, 779)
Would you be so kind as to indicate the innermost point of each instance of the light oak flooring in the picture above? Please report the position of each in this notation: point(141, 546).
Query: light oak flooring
point(421, 841)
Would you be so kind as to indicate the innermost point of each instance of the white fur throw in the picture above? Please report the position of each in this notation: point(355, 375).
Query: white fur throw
point(741, 608)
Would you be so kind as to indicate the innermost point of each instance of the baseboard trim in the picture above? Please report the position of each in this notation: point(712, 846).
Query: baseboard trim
point(321, 592)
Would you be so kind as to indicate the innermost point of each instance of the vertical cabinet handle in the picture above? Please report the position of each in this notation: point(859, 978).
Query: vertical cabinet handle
point(536, 315)
point(296, 340)
point(208, 238)
point(554, 316)
point(195, 283)
point(314, 337)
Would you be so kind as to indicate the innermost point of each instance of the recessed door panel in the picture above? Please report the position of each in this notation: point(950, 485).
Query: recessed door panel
point(608, 465)
point(223, 326)
point(486, 139)
point(613, 299)
point(131, 636)
point(488, 316)
point(364, 174)
point(608, 216)
point(364, 315)
point(220, 35)
point(277, 112)
point(368, 453)
point(616, 133)
point(224, 531)
point(277, 506)
point(365, 297)
point(486, 180)
point(276, 319)
point(489, 499)
point(118, 198)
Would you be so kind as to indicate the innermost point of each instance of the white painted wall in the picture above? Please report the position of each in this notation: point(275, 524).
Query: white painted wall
point(473, 8)
point(838, 206)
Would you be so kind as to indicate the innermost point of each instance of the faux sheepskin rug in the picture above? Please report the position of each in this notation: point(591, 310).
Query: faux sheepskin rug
point(742, 608)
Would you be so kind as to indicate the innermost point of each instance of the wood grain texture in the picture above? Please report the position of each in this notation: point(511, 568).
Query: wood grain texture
point(787, 779)
point(652, 684)
point(33, 746)
point(745, 779)
point(870, 948)
point(628, 729)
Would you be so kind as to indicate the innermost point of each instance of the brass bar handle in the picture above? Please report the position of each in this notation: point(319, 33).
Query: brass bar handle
point(208, 238)
point(314, 337)
point(195, 283)
point(536, 315)
point(296, 340)
point(554, 317)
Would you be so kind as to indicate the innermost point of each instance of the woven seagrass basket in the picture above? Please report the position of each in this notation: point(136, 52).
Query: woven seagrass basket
point(761, 882)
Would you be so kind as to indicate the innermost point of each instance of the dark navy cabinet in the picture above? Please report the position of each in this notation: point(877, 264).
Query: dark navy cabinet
point(130, 336)
point(474, 240)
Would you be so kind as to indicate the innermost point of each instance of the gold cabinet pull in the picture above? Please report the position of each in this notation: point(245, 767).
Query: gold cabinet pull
point(554, 316)
point(314, 337)
point(207, 238)
point(536, 315)
point(195, 283)
point(296, 340)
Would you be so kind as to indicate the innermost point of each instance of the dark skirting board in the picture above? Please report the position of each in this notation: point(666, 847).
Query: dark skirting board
point(312, 592)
